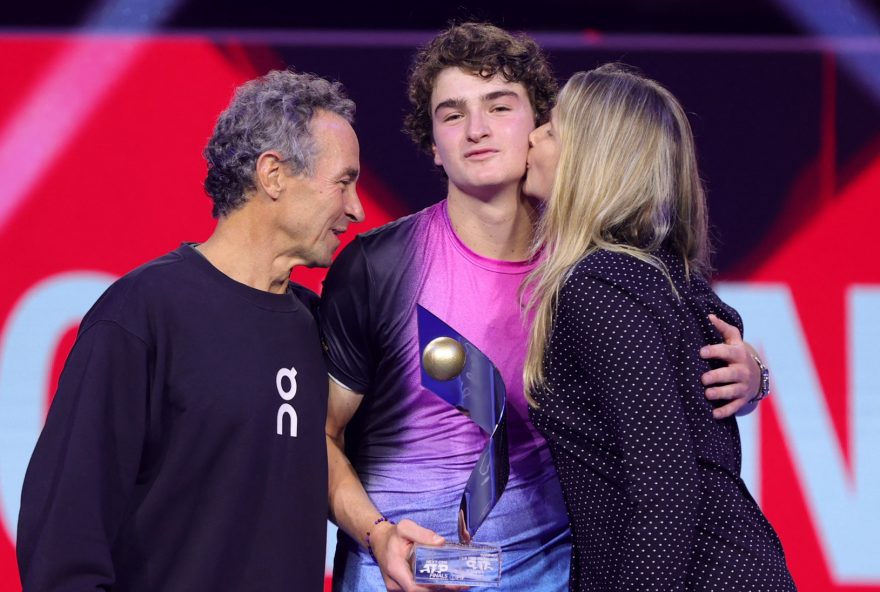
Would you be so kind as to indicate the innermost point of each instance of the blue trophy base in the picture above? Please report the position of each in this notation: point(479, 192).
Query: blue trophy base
point(457, 565)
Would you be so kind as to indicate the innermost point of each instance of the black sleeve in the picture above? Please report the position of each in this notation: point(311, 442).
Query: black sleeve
point(84, 467)
point(309, 299)
point(620, 344)
point(345, 317)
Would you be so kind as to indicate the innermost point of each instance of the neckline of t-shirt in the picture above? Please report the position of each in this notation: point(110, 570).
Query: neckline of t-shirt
point(496, 265)
point(286, 302)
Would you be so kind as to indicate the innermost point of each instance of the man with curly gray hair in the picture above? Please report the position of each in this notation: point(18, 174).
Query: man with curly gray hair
point(185, 448)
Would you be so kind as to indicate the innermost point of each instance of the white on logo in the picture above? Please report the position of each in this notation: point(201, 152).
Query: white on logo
point(286, 409)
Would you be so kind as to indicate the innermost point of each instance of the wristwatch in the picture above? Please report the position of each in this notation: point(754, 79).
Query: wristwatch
point(764, 387)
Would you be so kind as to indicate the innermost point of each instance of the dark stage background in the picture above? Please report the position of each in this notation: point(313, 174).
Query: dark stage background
point(105, 109)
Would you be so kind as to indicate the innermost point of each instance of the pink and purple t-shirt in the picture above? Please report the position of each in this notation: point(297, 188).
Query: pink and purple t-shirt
point(413, 451)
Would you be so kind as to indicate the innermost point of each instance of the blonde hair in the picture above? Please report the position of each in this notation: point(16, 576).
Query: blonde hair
point(627, 181)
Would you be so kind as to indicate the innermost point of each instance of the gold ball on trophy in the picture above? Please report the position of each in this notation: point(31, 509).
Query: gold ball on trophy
point(443, 358)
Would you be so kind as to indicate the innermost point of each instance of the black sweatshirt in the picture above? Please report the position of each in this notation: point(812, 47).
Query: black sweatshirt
point(161, 465)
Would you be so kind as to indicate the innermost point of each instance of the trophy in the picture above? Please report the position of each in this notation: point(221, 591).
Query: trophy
point(462, 375)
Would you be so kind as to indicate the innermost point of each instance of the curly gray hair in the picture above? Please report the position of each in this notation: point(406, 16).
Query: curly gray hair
point(272, 112)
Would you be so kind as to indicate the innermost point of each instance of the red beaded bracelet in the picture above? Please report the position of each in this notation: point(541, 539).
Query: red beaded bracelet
point(376, 522)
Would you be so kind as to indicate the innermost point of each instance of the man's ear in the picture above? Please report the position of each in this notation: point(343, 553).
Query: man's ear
point(437, 160)
point(270, 173)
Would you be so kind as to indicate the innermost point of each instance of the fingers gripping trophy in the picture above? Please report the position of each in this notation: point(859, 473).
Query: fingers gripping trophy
point(462, 375)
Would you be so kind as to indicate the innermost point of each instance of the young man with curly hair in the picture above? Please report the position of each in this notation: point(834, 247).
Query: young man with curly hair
point(476, 91)
point(399, 456)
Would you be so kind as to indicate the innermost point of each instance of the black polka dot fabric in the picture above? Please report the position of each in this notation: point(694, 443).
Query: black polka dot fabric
point(651, 479)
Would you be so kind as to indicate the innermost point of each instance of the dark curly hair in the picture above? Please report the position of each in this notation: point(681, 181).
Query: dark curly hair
point(486, 50)
point(272, 112)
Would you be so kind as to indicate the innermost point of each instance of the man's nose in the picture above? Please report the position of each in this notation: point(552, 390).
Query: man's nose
point(354, 210)
point(477, 127)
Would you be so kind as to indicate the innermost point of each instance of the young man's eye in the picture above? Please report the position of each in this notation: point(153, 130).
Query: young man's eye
point(451, 117)
point(501, 108)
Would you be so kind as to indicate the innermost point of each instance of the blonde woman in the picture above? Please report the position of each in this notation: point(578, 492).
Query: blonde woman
point(622, 307)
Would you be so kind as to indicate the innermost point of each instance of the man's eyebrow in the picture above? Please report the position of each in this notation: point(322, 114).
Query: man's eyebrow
point(351, 173)
point(459, 103)
point(498, 94)
point(456, 103)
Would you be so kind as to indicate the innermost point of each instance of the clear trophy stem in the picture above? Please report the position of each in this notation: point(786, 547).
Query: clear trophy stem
point(460, 374)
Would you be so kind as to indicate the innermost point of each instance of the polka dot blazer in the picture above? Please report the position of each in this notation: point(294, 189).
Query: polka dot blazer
point(651, 479)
